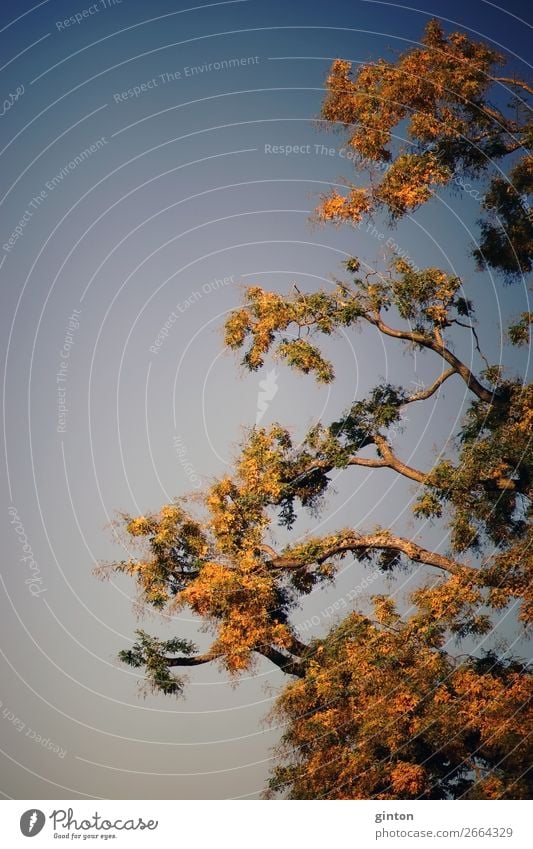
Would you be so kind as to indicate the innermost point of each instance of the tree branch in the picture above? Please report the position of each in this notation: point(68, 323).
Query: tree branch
point(298, 648)
point(197, 660)
point(503, 123)
point(510, 81)
point(476, 338)
point(383, 541)
point(430, 390)
point(426, 342)
point(286, 664)
point(393, 462)
point(267, 549)
point(388, 461)
point(369, 463)
point(471, 381)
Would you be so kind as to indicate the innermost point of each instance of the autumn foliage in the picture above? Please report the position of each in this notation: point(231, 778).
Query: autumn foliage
point(463, 120)
point(381, 707)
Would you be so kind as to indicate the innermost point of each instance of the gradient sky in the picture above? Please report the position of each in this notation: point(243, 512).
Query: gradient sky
point(180, 197)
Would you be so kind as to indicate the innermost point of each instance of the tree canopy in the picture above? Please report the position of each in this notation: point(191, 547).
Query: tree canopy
point(461, 119)
point(380, 707)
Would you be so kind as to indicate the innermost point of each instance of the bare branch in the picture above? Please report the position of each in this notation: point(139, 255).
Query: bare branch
point(427, 393)
point(476, 338)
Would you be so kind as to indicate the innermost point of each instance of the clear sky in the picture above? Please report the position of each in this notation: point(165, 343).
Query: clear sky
point(141, 179)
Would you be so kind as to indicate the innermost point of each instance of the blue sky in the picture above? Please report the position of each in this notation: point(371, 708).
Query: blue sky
point(171, 200)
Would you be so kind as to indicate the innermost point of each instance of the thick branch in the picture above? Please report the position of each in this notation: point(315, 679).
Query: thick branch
point(510, 81)
point(388, 460)
point(287, 665)
point(298, 648)
point(500, 119)
point(426, 342)
point(471, 381)
point(197, 660)
point(267, 549)
point(382, 541)
point(369, 463)
point(393, 462)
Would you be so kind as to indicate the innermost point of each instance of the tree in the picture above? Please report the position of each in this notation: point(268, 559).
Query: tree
point(455, 133)
point(379, 707)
